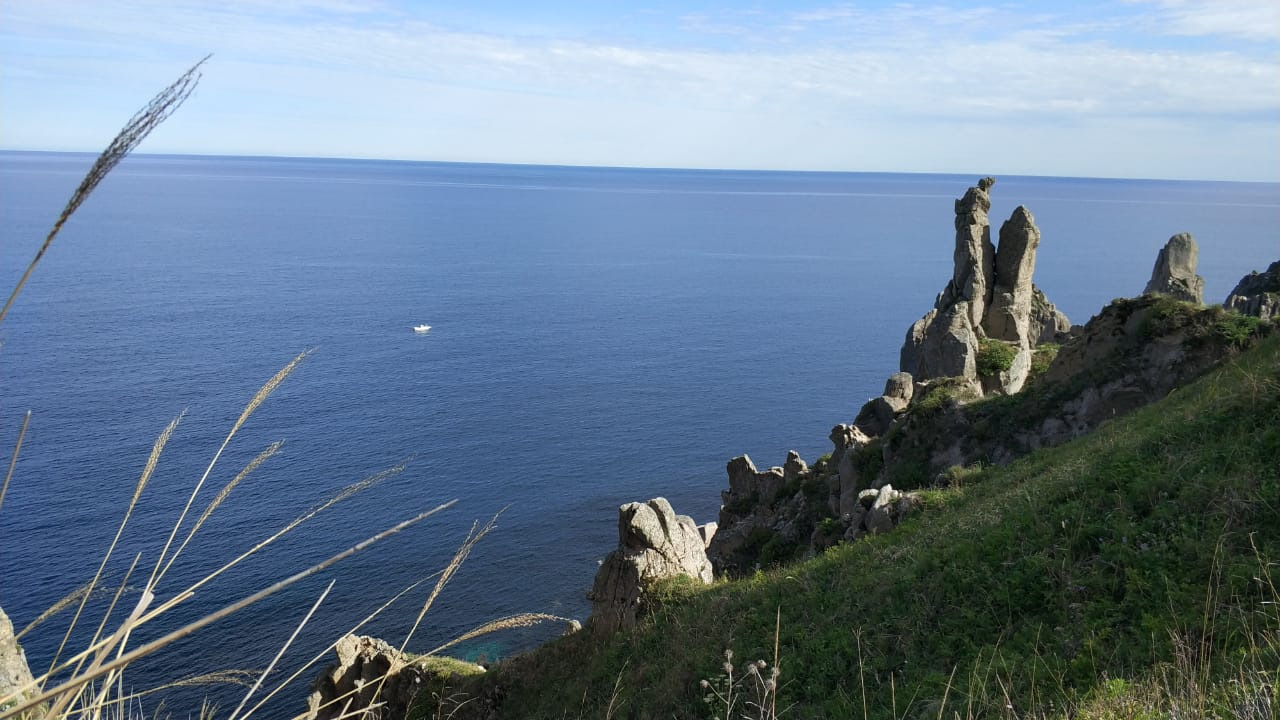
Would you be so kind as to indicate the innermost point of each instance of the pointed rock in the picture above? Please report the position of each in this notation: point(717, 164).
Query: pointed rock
point(1175, 271)
point(1008, 316)
point(974, 255)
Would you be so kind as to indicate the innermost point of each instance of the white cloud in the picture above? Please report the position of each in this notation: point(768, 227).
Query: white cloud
point(894, 80)
point(1257, 20)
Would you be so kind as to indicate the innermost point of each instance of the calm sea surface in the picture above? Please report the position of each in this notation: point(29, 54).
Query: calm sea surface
point(598, 336)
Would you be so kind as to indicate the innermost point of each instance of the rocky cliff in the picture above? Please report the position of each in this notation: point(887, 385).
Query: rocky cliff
point(992, 372)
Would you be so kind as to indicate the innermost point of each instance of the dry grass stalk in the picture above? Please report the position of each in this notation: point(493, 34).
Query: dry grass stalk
point(320, 656)
point(256, 401)
point(293, 636)
point(76, 684)
point(139, 126)
point(226, 490)
point(13, 459)
point(56, 608)
point(511, 621)
point(148, 469)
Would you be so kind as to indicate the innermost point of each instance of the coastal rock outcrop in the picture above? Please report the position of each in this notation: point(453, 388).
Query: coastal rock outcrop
point(14, 671)
point(1134, 352)
point(653, 544)
point(1174, 273)
point(991, 296)
point(1257, 294)
point(369, 674)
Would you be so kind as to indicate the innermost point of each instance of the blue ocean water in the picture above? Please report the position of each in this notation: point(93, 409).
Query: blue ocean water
point(599, 335)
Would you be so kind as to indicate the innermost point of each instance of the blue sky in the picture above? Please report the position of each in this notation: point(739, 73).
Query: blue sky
point(1128, 88)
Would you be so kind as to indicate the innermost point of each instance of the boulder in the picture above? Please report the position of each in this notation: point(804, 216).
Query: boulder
point(1257, 294)
point(1174, 273)
point(843, 438)
point(909, 355)
point(875, 416)
point(707, 531)
point(898, 390)
point(653, 544)
point(14, 672)
point(849, 439)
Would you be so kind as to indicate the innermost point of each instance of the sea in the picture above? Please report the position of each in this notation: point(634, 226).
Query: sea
point(598, 336)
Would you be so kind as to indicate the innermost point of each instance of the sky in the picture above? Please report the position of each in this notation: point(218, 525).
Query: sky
point(1124, 88)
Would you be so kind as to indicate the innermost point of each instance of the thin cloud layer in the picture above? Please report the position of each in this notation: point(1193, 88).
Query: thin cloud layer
point(1151, 89)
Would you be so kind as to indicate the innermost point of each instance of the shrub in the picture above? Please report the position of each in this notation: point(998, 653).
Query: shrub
point(994, 357)
point(1042, 357)
point(1236, 329)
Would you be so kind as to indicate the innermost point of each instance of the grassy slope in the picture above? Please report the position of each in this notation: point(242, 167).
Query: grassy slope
point(1104, 558)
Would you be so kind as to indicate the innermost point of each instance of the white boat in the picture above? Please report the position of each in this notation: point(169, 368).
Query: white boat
point(421, 328)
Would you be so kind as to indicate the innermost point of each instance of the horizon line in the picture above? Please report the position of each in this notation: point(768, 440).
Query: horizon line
point(238, 156)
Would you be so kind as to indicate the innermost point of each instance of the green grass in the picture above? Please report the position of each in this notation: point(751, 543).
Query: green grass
point(1122, 568)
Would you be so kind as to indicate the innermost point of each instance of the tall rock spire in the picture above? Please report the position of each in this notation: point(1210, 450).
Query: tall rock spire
point(990, 296)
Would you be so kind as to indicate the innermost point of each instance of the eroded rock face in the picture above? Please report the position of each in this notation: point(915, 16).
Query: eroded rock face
point(1174, 273)
point(369, 674)
point(1047, 324)
point(848, 439)
point(748, 485)
point(14, 672)
point(974, 256)
point(1010, 311)
point(654, 543)
point(1257, 294)
point(990, 295)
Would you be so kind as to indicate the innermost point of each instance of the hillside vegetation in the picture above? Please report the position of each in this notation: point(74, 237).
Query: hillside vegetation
point(1128, 573)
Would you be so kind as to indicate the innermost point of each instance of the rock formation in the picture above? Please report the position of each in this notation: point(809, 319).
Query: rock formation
point(368, 670)
point(653, 544)
point(879, 511)
point(1132, 353)
point(1175, 271)
point(1257, 294)
point(780, 505)
point(847, 441)
point(14, 672)
point(990, 296)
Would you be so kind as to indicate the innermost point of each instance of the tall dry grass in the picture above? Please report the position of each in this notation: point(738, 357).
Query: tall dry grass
point(88, 682)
